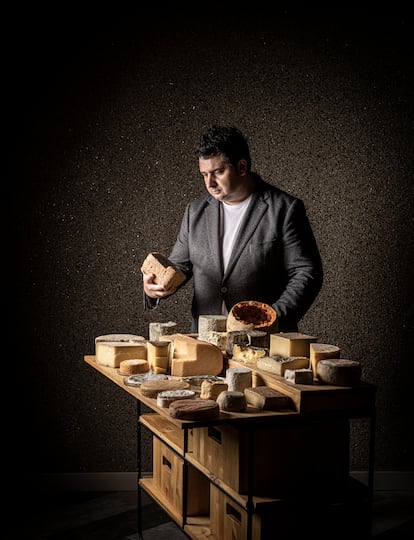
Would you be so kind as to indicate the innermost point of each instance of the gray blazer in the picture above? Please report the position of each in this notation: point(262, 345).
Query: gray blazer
point(275, 259)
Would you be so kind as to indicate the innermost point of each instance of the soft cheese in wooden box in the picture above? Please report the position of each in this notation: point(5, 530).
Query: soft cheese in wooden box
point(286, 458)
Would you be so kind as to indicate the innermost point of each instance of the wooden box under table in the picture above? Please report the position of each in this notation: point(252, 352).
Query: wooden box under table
point(168, 477)
point(287, 459)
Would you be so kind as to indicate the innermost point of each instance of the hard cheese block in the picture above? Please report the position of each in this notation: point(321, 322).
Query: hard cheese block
point(191, 356)
point(166, 273)
point(112, 353)
point(322, 351)
point(291, 344)
point(279, 364)
point(159, 356)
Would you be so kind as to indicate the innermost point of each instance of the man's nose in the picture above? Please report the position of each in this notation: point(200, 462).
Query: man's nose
point(210, 180)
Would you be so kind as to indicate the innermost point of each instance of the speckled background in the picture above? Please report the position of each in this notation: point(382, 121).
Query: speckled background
point(106, 112)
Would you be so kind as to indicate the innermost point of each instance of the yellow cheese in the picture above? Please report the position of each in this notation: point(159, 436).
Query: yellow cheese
point(279, 364)
point(111, 353)
point(159, 356)
point(290, 344)
point(191, 356)
point(321, 351)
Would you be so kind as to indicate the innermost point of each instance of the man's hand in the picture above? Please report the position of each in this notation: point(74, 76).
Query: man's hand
point(152, 289)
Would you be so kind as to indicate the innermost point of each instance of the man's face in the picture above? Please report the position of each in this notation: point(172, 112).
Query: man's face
point(223, 181)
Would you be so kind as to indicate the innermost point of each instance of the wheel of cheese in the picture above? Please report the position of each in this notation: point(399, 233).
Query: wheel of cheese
point(164, 399)
point(133, 366)
point(252, 315)
point(152, 388)
point(339, 372)
point(232, 401)
point(194, 409)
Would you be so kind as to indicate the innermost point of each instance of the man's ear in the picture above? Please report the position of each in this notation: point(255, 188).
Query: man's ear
point(242, 167)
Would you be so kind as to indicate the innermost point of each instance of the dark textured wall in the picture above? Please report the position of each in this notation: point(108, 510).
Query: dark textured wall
point(106, 110)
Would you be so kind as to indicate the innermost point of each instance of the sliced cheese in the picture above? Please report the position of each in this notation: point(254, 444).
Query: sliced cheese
point(322, 351)
point(112, 353)
point(279, 364)
point(290, 344)
point(159, 356)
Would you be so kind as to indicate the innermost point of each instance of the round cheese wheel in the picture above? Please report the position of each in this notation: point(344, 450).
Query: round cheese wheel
point(133, 366)
point(250, 315)
point(152, 388)
point(233, 401)
point(339, 372)
point(164, 399)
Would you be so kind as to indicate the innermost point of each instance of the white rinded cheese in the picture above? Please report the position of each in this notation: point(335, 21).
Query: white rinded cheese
point(339, 372)
point(322, 351)
point(279, 364)
point(119, 337)
point(290, 344)
point(232, 401)
point(211, 323)
point(238, 379)
point(111, 353)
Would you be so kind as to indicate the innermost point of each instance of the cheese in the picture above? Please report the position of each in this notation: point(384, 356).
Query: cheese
point(250, 314)
point(211, 389)
point(290, 344)
point(216, 338)
point(165, 398)
point(209, 323)
point(232, 401)
point(119, 337)
point(299, 376)
point(339, 372)
point(158, 354)
point(321, 351)
point(133, 367)
point(158, 329)
point(263, 397)
point(279, 364)
point(191, 356)
point(255, 338)
point(248, 354)
point(194, 409)
point(166, 273)
point(112, 353)
point(238, 378)
point(153, 387)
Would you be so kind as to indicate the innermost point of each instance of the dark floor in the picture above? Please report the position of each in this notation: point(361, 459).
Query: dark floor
point(113, 516)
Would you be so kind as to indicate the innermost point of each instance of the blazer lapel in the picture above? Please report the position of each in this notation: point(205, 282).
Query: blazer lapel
point(213, 234)
point(249, 224)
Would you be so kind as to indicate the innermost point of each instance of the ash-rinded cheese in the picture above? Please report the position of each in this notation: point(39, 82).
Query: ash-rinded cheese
point(218, 339)
point(290, 344)
point(339, 372)
point(119, 337)
point(266, 398)
point(159, 329)
point(279, 364)
point(211, 323)
point(159, 356)
point(322, 351)
point(232, 400)
point(112, 353)
point(190, 356)
point(248, 354)
point(253, 338)
point(299, 376)
point(238, 378)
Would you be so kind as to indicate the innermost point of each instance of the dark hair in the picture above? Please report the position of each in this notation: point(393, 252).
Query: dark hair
point(228, 142)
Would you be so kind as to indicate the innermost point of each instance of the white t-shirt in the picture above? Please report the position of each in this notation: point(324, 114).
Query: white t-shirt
point(231, 216)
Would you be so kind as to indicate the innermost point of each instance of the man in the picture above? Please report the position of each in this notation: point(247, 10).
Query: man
point(244, 240)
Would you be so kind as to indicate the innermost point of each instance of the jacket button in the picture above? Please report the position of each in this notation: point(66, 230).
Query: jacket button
point(223, 289)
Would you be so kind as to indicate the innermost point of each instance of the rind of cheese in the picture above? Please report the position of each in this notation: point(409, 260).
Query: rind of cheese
point(165, 398)
point(152, 388)
point(158, 329)
point(238, 379)
point(299, 376)
point(119, 337)
point(279, 364)
point(211, 323)
point(248, 354)
point(219, 339)
point(322, 351)
point(251, 314)
point(254, 338)
point(166, 273)
point(111, 353)
point(190, 357)
point(194, 409)
point(290, 344)
point(159, 356)
point(266, 398)
point(232, 401)
point(133, 366)
point(339, 372)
